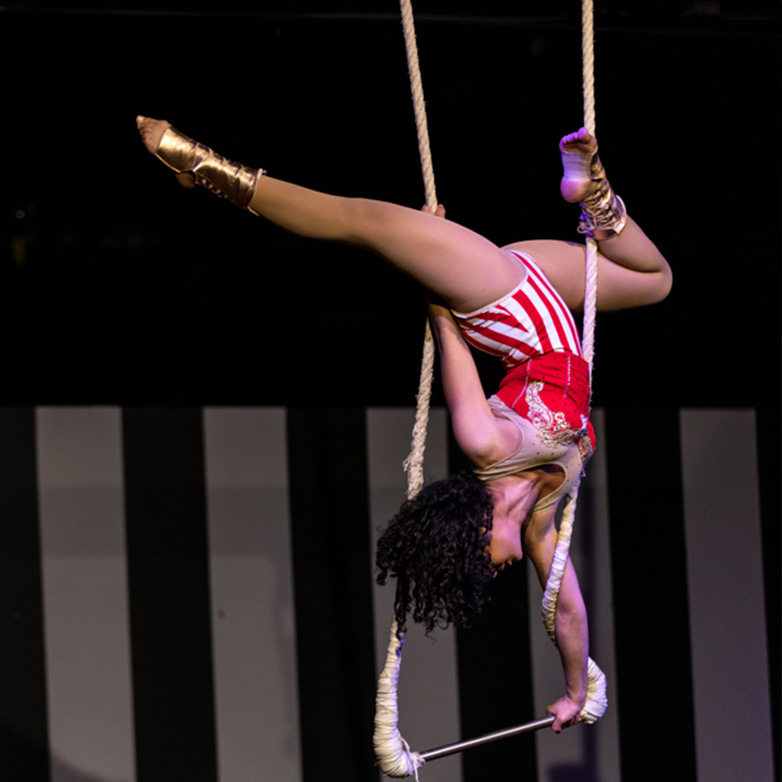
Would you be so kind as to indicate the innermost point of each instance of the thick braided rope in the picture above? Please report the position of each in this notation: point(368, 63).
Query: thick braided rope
point(414, 464)
point(391, 751)
point(419, 106)
point(596, 702)
point(590, 300)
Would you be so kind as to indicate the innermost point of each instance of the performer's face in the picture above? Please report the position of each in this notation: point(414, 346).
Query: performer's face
point(511, 500)
point(504, 541)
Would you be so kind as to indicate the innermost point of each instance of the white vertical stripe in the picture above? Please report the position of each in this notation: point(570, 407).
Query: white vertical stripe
point(85, 594)
point(563, 315)
point(251, 581)
point(538, 302)
point(532, 338)
point(592, 750)
point(725, 589)
point(428, 683)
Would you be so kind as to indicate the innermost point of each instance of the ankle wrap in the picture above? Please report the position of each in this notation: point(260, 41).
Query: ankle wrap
point(214, 172)
point(603, 213)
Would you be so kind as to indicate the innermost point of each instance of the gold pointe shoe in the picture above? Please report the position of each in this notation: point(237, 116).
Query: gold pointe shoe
point(603, 213)
point(214, 172)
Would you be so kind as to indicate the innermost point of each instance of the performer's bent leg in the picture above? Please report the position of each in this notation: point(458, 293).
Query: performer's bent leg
point(462, 267)
point(632, 271)
point(603, 216)
point(632, 248)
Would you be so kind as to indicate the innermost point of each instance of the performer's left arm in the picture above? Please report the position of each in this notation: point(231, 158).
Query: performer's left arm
point(571, 627)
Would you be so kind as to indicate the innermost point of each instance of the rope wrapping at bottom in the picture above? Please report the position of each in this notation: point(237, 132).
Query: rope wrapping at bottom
point(392, 752)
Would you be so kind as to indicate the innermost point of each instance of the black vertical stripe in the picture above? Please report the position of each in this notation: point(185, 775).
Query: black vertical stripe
point(168, 578)
point(495, 677)
point(24, 753)
point(333, 595)
point(650, 592)
point(768, 427)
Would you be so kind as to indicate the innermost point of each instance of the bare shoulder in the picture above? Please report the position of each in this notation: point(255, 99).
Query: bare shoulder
point(502, 439)
point(562, 262)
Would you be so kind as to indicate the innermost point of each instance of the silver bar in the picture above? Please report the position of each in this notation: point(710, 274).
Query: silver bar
point(451, 749)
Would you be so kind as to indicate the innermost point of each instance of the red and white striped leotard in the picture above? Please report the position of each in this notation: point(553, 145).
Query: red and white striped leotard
point(529, 321)
point(547, 379)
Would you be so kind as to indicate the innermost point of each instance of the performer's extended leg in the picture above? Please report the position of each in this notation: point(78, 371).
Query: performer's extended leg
point(462, 267)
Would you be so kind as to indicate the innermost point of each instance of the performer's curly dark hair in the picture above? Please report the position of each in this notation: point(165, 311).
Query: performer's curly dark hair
point(436, 549)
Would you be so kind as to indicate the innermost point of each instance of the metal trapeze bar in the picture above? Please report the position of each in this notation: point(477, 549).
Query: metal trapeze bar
point(460, 746)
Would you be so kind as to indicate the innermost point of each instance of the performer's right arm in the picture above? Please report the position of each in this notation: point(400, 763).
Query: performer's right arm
point(483, 437)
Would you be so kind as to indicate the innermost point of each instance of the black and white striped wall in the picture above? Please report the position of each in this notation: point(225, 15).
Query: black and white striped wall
point(187, 594)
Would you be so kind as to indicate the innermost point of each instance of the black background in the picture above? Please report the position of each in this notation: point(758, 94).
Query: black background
point(118, 287)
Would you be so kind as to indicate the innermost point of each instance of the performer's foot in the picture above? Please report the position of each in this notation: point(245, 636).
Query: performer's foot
point(196, 164)
point(578, 150)
point(603, 213)
point(152, 131)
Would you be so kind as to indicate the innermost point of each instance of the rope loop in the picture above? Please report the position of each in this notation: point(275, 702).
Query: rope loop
point(392, 751)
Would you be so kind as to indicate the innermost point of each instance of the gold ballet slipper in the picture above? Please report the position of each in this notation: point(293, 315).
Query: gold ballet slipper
point(214, 172)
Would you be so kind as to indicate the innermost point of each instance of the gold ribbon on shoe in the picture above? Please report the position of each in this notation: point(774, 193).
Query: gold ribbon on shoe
point(216, 173)
point(603, 213)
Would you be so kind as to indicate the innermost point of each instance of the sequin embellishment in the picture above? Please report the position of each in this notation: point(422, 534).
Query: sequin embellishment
point(553, 427)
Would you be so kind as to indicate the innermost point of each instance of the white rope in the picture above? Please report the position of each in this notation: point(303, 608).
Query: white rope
point(588, 63)
point(391, 751)
point(590, 294)
point(596, 702)
point(419, 105)
point(414, 464)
